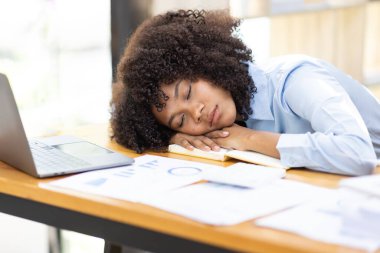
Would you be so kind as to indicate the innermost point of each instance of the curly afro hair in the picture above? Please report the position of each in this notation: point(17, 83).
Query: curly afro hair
point(177, 45)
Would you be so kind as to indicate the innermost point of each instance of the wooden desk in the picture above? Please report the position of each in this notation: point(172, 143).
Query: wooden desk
point(142, 226)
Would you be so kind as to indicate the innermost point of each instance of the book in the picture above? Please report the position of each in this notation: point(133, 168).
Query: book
point(225, 154)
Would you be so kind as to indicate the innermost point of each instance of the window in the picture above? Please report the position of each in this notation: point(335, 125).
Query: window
point(56, 54)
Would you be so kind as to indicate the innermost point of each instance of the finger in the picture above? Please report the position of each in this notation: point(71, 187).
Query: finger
point(211, 144)
point(199, 143)
point(217, 134)
point(186, 144)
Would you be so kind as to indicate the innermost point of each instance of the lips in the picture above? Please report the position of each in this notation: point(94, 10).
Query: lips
point(213, 116)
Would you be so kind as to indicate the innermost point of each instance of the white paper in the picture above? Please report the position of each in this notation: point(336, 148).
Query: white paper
point(360, 212)
point(149, 175)
point(245, 175)
point(365, 184)
point(220, 204)
point(320, 220)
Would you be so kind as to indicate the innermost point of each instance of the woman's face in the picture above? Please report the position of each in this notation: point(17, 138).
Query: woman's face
point(196, 107)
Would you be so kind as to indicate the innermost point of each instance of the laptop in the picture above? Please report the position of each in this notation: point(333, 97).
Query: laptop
point(46, 157)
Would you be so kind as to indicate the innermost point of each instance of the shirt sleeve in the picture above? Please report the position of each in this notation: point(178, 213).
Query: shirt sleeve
point(341, 142)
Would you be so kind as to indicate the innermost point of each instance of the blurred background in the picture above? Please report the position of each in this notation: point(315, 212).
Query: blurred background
point(60, 57)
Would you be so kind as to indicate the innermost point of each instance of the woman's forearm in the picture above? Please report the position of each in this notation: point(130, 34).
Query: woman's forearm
point(264, 142)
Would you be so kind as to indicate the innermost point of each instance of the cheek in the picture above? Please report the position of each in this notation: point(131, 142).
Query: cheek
point(229, 116)
point(195, 129)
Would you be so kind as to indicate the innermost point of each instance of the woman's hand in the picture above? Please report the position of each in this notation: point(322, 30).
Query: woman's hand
point(238, 138)
point(242, 138)
point(200, 141)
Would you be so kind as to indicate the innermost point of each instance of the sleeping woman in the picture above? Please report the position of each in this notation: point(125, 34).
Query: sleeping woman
point(187, 78)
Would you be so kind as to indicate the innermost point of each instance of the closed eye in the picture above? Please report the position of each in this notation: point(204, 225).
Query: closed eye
point(182, 120)
point(187, 98)
point(189, 93)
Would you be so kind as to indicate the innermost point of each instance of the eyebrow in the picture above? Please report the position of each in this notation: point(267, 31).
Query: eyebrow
point(176, 88)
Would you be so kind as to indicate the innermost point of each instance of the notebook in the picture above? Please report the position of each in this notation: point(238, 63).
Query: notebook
point(45, 157)
point(225, 154)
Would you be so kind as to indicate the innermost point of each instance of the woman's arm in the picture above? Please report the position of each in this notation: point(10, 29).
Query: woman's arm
point(340, 142)
point(234, 137)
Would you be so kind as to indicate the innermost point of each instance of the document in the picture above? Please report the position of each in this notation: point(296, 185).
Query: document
point(221, 204)
point(245, 175)
point(243, 193)
point(319, 220)
point(367, 185)
point(149, 175)
point(360, 199)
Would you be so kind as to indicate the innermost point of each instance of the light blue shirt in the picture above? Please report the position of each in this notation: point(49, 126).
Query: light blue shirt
point(327, 120)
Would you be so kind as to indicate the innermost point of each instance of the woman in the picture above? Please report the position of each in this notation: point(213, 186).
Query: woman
point(186, 78)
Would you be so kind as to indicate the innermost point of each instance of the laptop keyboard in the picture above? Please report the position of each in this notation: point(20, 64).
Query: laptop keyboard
point(49, 158)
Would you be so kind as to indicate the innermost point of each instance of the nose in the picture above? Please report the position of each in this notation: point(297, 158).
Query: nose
point(197, 112)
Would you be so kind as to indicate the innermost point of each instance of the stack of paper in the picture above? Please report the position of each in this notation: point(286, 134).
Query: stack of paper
point(349, 216)
point(320, 219)
point(360, 205)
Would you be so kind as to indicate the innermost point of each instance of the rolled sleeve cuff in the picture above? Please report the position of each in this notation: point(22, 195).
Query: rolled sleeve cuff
point(308, 150)
point(294, 149)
